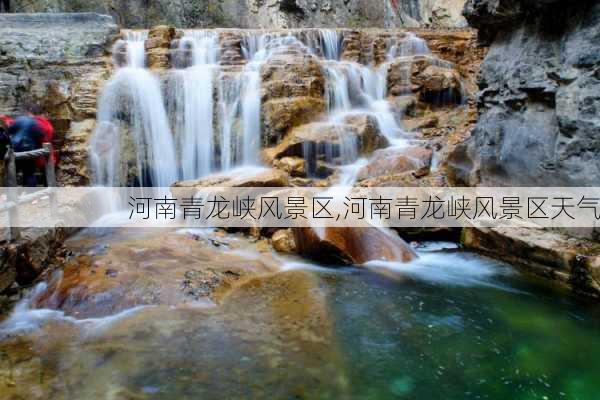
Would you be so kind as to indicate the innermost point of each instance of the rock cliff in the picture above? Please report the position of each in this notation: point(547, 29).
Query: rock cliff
point(269, 14)
point(57, 61)
point(539, 113)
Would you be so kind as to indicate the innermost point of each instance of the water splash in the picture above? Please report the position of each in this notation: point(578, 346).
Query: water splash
point(132, 144)
point(190, 101)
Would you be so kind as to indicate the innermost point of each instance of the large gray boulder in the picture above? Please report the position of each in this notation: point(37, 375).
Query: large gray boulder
point(539, 100)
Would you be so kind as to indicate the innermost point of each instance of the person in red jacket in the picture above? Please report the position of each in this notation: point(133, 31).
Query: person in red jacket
point(48, 135)
point(30, 132)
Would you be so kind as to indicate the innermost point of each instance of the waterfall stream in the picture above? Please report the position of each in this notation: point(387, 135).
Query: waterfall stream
point(132, 102)
point(205, 116)
point(190, 99)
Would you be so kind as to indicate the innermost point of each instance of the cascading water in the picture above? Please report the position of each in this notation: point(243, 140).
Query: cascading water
point(240, 100)
point(214, 110)
point(190, 101)
point(230, 93)
point(355, 88)
point(331, 44)
point(409, 45)
point(132, 144)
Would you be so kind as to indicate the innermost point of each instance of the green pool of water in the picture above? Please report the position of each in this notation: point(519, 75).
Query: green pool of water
point(452, 326)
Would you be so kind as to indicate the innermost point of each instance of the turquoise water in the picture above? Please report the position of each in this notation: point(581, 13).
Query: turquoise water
point(451, 326)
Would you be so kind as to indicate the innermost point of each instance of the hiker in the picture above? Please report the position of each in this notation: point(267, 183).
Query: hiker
point(27, 133)
point(5, 5)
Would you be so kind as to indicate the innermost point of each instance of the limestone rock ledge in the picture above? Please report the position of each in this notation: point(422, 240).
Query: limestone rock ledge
point(574, 263)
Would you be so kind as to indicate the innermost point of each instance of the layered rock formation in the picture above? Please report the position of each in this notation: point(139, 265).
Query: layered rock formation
point(539, 118)
point(538, 125)
point(57, 62)
point(263, 13)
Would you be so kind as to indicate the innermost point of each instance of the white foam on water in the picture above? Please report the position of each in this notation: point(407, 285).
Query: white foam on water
point(24, 319)
point(458, 269)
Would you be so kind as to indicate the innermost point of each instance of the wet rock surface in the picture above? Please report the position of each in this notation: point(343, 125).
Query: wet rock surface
point(157, 267)
point(324, 139)
point(570, 261)
point(352, 245)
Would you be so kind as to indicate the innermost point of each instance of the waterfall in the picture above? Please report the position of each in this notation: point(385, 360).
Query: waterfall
point(331, 44)
point(136, 53)
point(132, 139)
point(230, 92)
point(352, 87)
point(214, 110)
point(190, 100)
point(409, 45)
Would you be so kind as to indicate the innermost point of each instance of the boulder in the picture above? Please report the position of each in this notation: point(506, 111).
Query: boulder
point(294, 166)
point(396, 161)
point(282, 114)
point(358, 134)
point(284, 241)
point(370, 137)
point(293, 88)
point(433, 80)
point(350, 245)
point(439, 85)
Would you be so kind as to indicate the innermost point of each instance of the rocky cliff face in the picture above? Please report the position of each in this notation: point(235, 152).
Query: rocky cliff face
point(263, 13)
point(56, 61)
point(539, 102)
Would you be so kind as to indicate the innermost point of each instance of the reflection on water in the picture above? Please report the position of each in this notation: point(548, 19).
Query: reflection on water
point(455, 326)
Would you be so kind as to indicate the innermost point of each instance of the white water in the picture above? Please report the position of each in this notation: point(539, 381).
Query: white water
point(215, 111)
point(131, 107)
point(25, 318)
point(353, 87)
point(190, 96)
point(458, 269)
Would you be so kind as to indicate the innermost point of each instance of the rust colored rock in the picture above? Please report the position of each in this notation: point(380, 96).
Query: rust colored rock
point(429, 77)
point(439, 81)
point(158, 47)
point(350, 245)
point(293, 87)
point(369, 137)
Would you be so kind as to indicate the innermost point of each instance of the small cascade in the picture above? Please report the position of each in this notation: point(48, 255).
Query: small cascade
point(409, 45)
point(239, 95)
point(230, 96)
point(190, 101)
point(132, 144)
point(352, 87)
point(136, 53)
point(331, 44)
